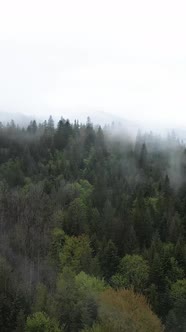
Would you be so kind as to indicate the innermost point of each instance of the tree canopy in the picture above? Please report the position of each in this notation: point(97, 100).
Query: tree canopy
point(92, 228)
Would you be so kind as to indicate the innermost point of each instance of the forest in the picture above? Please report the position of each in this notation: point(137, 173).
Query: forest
point(92, 229)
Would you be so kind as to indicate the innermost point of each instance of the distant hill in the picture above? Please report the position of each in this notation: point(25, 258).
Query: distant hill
point(19, 118)
point(97, 118)
point(102, 118)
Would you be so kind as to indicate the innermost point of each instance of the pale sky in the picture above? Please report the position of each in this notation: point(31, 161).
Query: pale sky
point(123, 57)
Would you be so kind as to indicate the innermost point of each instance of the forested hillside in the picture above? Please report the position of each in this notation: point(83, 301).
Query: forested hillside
point(92, 230)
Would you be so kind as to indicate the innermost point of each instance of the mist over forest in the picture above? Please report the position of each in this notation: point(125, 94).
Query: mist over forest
point(92, 166)
point(92, 228)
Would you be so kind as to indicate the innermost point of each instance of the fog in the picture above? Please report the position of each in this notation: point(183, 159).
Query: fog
point(112, 60)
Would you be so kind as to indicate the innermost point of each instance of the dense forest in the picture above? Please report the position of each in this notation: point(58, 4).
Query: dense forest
point(92, 229)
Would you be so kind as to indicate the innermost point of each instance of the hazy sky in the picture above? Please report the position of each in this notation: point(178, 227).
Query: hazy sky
point(124, 57)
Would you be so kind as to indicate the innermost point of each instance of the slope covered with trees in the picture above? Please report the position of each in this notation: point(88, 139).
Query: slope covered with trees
point(92, 230)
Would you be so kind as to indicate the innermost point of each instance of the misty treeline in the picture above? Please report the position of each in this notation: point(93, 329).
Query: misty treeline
point(92, 229)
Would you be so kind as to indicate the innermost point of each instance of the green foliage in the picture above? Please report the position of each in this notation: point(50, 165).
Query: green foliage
point(89, 284)
point(109, 259)
point(40, 300)
point(76, 300)
point(40, 322)
point(118, 281)
point(80, 203)
point(176, 318)
point(76, 218)
point(178, 290)
point(133, 272)
point(57, 243)
point(77, 254)
point(84, 189)
point(12, 173)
